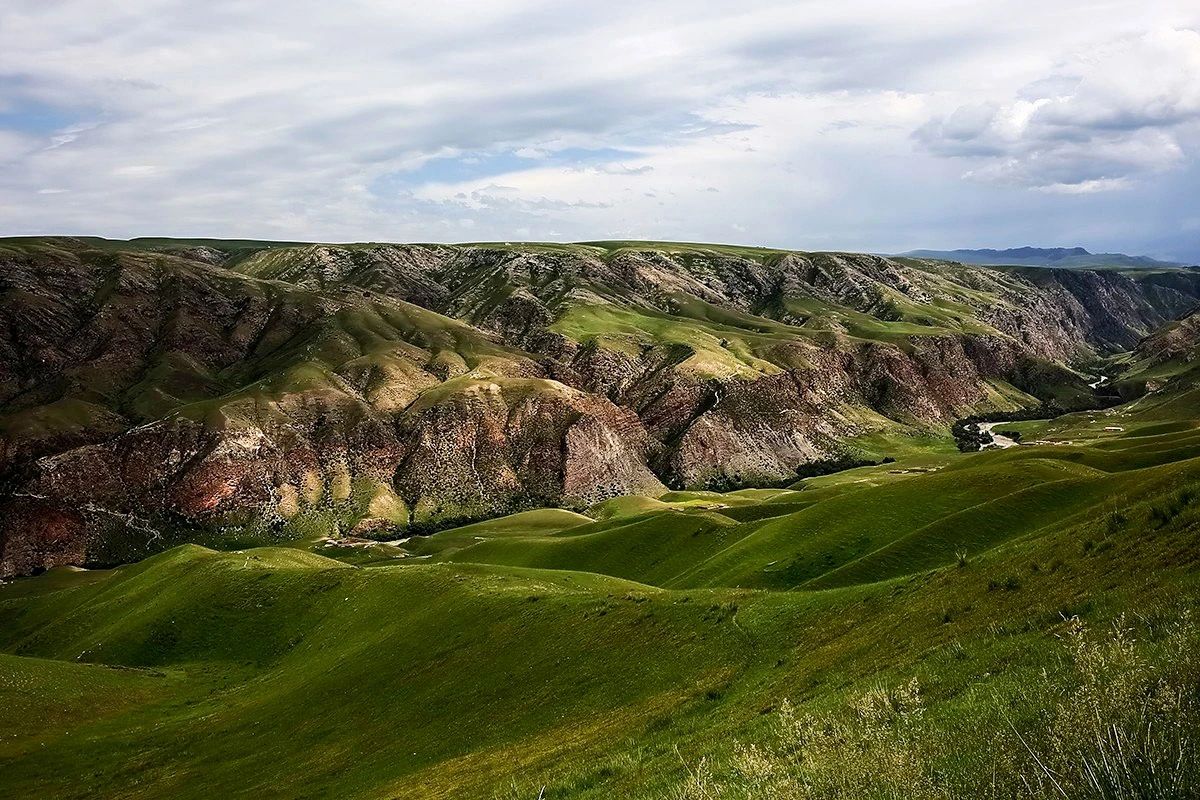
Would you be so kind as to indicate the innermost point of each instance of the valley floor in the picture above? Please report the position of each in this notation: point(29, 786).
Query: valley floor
point(913, 615)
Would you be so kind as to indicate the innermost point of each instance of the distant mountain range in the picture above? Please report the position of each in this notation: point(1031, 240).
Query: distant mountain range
point(1043, 257)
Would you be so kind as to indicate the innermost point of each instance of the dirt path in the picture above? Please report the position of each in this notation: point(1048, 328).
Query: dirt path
point(999, 441)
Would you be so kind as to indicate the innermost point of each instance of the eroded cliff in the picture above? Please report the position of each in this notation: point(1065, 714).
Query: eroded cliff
point(155, 392)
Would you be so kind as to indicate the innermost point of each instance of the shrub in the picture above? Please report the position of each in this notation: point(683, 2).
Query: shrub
point(1011, 583)
point(1123, 727)
point(869, 750)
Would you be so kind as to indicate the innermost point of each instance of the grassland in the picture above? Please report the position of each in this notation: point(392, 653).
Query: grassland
point(925, 627)
point(614, 654)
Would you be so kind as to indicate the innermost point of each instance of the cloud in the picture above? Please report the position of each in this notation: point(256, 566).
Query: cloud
point(1116, 112)
point(654, 118)
point(15, 145)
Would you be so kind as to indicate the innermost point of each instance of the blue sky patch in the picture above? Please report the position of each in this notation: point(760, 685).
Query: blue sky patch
point(478, 166)
point(25, 114)
point(36, 119)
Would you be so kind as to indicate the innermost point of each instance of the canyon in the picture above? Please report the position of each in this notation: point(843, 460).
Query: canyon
point(159, 391)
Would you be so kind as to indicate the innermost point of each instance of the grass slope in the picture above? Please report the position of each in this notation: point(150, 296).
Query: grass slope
point(846, 534)
point(603, 656)
point(276, 672)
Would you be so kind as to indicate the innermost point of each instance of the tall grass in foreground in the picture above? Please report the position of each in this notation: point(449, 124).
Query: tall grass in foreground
point(1119, 724)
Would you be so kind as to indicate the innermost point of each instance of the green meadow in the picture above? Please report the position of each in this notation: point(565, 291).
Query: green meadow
point(1004, 624)
point(921, 628)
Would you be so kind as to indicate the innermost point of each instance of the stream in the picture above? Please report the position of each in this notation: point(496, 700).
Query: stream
point(999, 441)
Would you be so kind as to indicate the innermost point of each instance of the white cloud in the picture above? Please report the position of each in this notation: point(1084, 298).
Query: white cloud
point(663, 118)
point(1086, 187)
point(15, 145)
point(1114, 112)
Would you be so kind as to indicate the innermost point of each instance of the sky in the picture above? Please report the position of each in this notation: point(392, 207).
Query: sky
point(869, 125)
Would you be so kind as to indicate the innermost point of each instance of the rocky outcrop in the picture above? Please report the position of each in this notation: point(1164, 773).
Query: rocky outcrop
point(150, 395)
point(1108, 310)
point(1176, 341)
point(1167, 361)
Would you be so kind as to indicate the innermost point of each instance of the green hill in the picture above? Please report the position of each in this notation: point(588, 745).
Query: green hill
point(905, 621)
point(604, 656)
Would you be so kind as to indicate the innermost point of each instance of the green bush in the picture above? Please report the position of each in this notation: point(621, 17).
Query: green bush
point(1122, 726)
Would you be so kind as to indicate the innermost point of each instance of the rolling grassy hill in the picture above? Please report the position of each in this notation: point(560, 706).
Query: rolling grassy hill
point(605, 655)
point(930, 624)
point(855, 535)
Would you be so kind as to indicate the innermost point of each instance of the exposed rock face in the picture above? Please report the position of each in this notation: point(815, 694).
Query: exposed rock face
point(532, 442)
point(1176, 341)
point(184, 392)
point(1167, 361)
